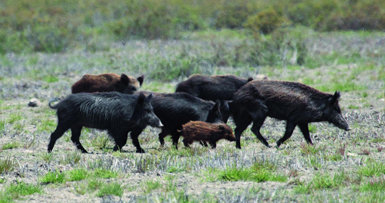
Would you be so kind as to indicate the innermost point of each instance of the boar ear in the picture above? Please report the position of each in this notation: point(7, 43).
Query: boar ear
point(335, 97)
point(140, 79)
point(249, 79)
point(124, 78)
point(141, 98)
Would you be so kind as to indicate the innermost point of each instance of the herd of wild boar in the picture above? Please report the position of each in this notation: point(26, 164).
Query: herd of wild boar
point(198, 110)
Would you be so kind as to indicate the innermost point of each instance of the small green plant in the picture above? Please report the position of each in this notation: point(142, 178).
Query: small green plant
point(373, 185)
point(321, 181)
point(81, 188)
point(100, 142)
point(53, 177)
point(307, 149)
point(149, 186)
point(71, 158)
point(259, 172)
point(14, 117)
point(110, 189)
point(94, 184)
point(372, 168)
point(10, 145)
point(7, 165)
point(16, 190)
point(103, 173)
point(77, 174)
point(47, 157)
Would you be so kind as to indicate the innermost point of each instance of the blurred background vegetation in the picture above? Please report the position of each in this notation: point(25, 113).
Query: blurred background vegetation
point(61, 25)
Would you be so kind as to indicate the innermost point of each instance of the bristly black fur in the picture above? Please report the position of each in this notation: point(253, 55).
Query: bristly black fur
point(294, 102)
point(112, 111)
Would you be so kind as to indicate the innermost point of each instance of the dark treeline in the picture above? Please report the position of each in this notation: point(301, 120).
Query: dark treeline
point(55, 25)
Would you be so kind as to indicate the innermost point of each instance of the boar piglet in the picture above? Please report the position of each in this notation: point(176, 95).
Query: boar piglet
point(294, 102)
point(108, 82)
point(206, 132)
point(176, 109)
point(112, 111)
point(220, 87)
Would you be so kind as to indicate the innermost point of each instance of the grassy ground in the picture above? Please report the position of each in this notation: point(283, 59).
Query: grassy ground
point(341, 166)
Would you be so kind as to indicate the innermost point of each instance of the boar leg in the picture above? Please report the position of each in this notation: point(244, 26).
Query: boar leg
point(213, 144)
point(241, 119)
point(60, 130)
point(175, 139)
point(288, 132)
point(255, 129)
point(134, 136)
point(161, 135)
point(75, 134)
point(120, 140)
point(305, 131)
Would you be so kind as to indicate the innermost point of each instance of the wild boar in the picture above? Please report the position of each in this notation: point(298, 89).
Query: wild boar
point(176, 109)
point(108, 82)
point(296, 103)
point(112, 111)
point(206, 132)
point(220, 87)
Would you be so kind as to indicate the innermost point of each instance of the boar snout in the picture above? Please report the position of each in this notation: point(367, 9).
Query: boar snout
point(340, 122)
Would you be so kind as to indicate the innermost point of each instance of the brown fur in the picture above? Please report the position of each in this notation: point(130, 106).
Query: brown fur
point(107, 82)
point(203, 131)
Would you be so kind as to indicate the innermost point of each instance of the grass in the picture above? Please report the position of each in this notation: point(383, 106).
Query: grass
point(373, 186)
point(17, 190)
point(53, 177)
point(7, 165)
point(372, 168)
point(259, 172)
point(10, 145)
point(322, 182)
point(149, 186)
point(77, 174)
point(110, 189)
point(103, 173)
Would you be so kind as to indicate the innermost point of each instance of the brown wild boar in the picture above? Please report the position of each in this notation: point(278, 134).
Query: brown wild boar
point(108, 82)
point(294, 102)
point(206, 132)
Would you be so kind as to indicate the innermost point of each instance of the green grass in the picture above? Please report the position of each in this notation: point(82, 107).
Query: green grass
point(103, 173)
point(110, 189)
point(373, 185)
point(53, 177)
point(94, 184)
point(17, 190)
point(259, 172)
point(149, 186)
point(372, 168)
point(10, 145)
point(7, 165)
point(77, 174)
point(321, 182)
point(14, 117)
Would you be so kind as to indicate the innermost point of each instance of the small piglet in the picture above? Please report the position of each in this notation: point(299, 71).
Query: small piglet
point(206, 132)
point(108, 82)
point(112, 111)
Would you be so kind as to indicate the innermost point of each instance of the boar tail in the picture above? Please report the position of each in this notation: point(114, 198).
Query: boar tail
point(52, 101)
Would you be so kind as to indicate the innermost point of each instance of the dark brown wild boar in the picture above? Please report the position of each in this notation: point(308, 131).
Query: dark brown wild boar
point(206, 132)
point(108, 82)
point(294, 102)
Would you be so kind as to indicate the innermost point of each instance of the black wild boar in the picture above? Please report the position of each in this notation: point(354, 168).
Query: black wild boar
point(107, 82)
point(294, 102)
point(176, 109)
point(220, 87)
point(206, 132)
point(112, 111)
